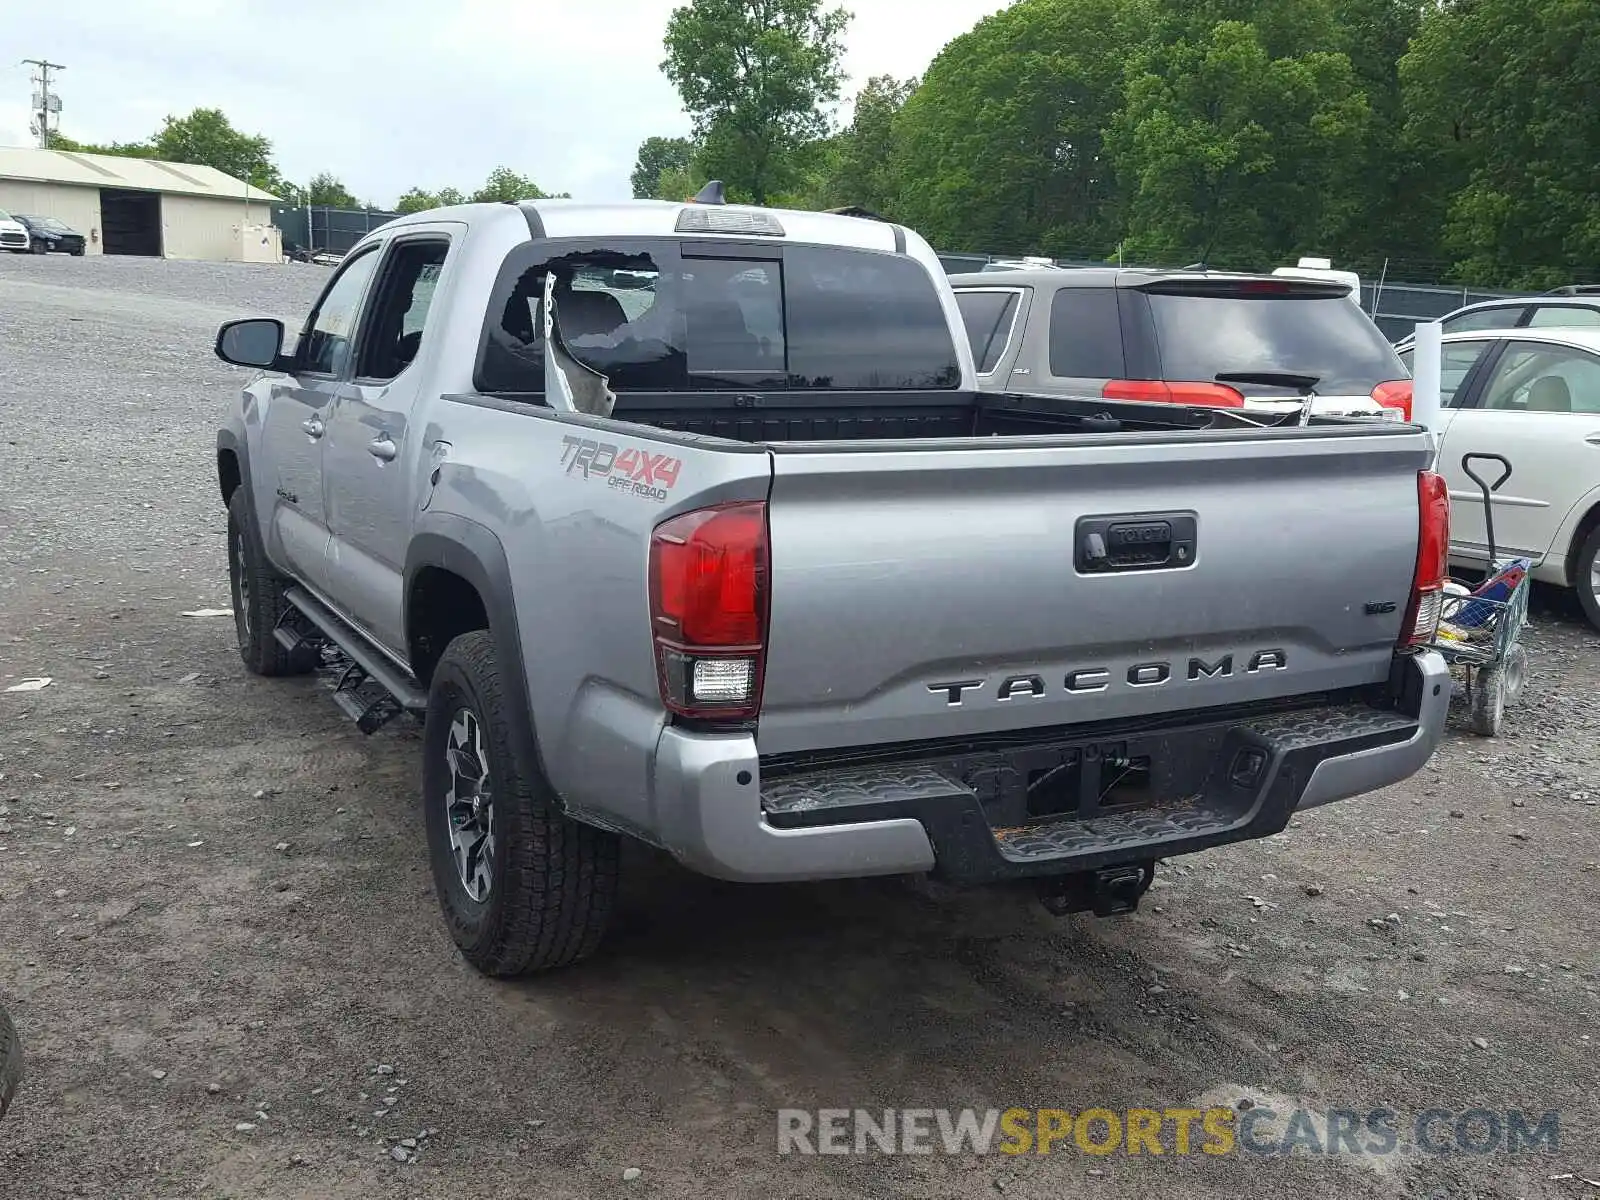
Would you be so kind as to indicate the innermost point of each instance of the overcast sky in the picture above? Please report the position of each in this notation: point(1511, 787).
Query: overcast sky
point(388, 94)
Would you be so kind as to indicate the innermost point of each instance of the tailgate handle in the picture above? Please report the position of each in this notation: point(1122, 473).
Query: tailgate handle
point(1135, 542)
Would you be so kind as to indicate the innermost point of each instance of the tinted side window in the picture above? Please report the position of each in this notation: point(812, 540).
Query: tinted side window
point(1455, 361)
point(1085, 334)
point(399, 309)
point(1484, 318)
point(988, 318)
point(1569, 316)
point(864, 320)
point(326, 346)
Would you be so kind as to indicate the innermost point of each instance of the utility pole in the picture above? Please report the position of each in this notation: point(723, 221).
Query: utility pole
point(45, 101)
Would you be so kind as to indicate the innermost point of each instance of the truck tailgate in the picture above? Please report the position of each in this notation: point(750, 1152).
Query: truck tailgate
point(928, 593)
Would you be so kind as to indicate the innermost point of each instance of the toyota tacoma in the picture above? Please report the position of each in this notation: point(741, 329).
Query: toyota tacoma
point(688, 523)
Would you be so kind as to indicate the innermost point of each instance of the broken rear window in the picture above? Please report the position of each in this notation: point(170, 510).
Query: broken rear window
point(670, 316)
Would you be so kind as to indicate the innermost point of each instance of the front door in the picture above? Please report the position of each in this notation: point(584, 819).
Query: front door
point(375, 462)
point(1538, 406)
point(299, 408)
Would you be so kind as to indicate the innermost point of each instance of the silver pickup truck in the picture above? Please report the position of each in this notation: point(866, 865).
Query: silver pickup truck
point(687, 523)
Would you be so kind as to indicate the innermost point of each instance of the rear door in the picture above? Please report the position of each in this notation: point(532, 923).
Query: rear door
point(1538, 405)
point(296, 421)
point(939, 593)
point(994, 318)
point(374, 456)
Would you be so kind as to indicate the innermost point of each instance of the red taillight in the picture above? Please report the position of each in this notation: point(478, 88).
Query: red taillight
point(1395, 394)
point(1433, 560)
point(708, 609)
point(1157, 391)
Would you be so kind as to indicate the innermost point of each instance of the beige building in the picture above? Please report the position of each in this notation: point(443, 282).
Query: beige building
point(143, 206)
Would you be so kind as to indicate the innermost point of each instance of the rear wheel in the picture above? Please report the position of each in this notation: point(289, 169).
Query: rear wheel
point(1586, 576)
point(258, 596)
point(78, 253)
point(10, 1061)
point(523, 887)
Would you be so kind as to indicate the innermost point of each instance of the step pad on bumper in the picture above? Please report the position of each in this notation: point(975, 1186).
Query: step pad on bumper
point(1054, 839)
point(850, 788)
point(1205, 783)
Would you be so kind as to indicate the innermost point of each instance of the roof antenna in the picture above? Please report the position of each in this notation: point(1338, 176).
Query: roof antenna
point(711, 194)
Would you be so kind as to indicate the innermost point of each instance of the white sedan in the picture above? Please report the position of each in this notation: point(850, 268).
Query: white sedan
point(1532, 395)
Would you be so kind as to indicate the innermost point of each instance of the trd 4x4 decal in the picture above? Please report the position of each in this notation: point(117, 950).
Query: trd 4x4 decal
point(626, 468)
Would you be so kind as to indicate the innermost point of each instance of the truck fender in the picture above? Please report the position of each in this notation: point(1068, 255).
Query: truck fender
point(472, 551)
point(229, 442)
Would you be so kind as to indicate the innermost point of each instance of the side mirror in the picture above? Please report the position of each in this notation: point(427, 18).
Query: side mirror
point(253, 342)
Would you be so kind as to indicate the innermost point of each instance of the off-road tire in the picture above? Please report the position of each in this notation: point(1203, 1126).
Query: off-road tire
point(1488, 701)
point(553, 879)
point(10, 1062)
point(258, 596)
point(1583, 576)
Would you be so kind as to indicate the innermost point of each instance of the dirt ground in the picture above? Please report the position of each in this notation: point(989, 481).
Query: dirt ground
point(218, 932)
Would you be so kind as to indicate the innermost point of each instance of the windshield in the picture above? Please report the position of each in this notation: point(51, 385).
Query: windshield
point(48, 223)
point(5, 216)
point(1205, 335)
point(668, 316)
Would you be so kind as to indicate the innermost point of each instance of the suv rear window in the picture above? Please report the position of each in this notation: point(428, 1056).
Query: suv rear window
point(1206, 329)
point(655, 315)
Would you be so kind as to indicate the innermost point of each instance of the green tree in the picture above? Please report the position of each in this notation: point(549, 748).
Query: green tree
point(1233, 156)
point(59, 141)
point(207, 138)
point(504, 184)
point(1001, 147)
point(1391, 207)
point(1500, 102)
point(754, 75)
point(658, 155)
point(862, 168)
point(325, 191)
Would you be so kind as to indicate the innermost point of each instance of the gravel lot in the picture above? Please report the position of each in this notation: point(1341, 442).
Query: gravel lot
point(218, 934)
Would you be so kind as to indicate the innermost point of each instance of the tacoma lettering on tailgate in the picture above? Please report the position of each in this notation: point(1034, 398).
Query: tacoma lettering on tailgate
point(1097, 679)
point(625, 468)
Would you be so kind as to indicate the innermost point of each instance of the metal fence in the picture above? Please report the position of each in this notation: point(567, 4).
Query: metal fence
point(326, 230)
point(1395, 307)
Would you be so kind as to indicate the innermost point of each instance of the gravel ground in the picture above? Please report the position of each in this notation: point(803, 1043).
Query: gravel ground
point(219, 941)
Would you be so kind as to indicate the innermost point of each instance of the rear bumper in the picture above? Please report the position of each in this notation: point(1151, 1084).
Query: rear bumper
point(1223, 780)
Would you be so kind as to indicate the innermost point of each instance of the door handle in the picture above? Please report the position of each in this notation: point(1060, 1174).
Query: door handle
point(383, 448)
point(312, 426)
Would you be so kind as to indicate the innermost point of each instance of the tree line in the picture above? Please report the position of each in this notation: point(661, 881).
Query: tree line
point(1448, 138)
point(207, 138)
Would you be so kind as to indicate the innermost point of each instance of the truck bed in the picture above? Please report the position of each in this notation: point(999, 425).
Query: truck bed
point(943, 415)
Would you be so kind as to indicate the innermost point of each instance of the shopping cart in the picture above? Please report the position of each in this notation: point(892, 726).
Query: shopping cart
point(1480, 627)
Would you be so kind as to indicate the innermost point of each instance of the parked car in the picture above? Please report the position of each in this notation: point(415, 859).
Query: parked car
point(737, 561)
point(1557, 310)
point(13, 234)
point(46, 235)
point(1251, 342)
point(1532, 395)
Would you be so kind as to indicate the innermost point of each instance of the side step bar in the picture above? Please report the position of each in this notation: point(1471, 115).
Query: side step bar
point(367, 661)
